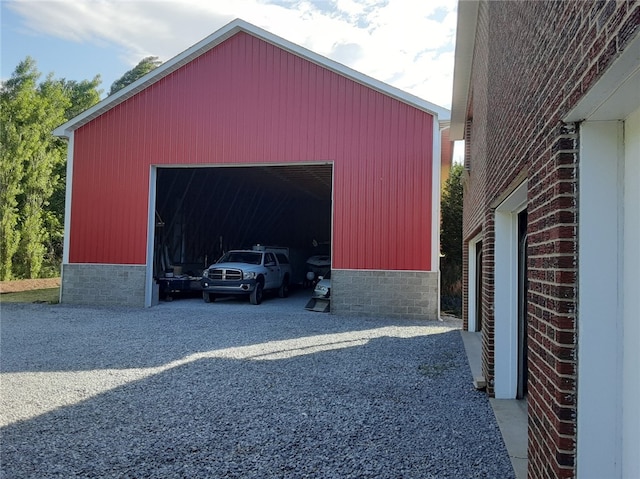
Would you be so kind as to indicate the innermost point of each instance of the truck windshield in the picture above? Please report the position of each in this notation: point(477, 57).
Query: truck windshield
point(241, 257)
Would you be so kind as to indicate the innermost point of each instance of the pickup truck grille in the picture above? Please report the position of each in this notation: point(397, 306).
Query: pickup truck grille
point(225, 274)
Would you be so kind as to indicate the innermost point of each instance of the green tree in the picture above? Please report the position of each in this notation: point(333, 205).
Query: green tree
point(40, 158)
point(32, 166)
point(82, 95)
point(451, 239)
point(145, 66)
point(41, 177)
point(15, 96)
point(20, 140)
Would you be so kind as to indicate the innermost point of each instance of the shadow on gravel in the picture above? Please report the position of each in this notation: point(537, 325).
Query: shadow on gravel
point(57, 338)
point(392, 404)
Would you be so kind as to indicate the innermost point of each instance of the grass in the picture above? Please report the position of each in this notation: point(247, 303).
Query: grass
point(49, 295)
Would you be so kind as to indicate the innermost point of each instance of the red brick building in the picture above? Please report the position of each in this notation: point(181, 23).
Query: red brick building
point(547, 99)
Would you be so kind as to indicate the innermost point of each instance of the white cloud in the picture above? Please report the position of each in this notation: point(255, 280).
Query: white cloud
point(407, 43)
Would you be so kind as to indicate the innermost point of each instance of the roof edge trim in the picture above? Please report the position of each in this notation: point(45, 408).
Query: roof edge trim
point(465, 45)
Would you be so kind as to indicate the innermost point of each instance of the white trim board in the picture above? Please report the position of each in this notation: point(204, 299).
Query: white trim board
point(608, 411)
point(608, 415)
point(599, 402)
point(467, 24)
point(631, 299)
point(435, 201)
point(151, 237)
point(506, 293)
point(472, 320)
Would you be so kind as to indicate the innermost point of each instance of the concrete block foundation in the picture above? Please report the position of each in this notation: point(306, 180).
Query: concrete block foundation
point(396, 294)
point(103, 284)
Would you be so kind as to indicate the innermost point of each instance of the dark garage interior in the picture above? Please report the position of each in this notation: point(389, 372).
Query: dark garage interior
point(203, 212)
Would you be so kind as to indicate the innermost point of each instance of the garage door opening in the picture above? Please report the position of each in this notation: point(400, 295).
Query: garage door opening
point(200, 213)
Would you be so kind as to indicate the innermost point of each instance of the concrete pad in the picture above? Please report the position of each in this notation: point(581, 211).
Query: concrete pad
point(511, 414)
point(473, 346)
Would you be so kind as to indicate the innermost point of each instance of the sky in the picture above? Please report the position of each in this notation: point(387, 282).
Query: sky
point(406, 43)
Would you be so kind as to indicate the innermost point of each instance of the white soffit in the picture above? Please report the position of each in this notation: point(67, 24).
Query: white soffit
point(216, 39)
point(616, 94)
point(465, 43)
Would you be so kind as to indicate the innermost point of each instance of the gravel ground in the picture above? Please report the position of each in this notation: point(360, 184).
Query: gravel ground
point(231, 390)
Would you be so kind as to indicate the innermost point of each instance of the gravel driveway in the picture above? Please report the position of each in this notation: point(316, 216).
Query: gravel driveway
point(231, 390)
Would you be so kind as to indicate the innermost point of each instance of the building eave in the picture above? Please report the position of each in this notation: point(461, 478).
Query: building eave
point(465, 43)
point(216, 39)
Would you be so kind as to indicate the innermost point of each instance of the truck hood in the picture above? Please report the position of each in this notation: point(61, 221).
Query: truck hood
point(242, 266)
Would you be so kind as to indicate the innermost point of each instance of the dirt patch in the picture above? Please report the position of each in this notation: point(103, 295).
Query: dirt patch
point(19, 285)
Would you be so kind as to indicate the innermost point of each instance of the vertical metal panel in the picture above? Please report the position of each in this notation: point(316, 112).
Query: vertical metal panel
point(247, 101)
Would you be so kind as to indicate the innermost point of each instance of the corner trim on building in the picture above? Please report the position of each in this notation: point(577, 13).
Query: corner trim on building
point(435, 199)
point(151, 233)
point(506, 292)
point(472, 320)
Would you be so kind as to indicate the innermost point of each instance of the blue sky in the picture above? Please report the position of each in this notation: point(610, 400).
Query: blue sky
point(406, 43)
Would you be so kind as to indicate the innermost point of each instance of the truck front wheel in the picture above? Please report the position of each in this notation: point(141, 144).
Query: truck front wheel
point(256, 294)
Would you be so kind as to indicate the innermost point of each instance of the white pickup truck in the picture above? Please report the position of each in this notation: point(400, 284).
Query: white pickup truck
point(248, 272)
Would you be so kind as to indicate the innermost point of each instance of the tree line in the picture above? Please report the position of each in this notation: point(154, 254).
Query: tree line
point(451, 242)
point(33, 163)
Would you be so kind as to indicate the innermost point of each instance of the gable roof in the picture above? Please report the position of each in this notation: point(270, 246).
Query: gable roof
point(216, 39)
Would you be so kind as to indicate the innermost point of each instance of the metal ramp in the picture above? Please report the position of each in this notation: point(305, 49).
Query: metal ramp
point(320, 305)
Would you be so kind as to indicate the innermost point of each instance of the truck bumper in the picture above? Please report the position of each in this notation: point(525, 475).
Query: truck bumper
point(227, 287)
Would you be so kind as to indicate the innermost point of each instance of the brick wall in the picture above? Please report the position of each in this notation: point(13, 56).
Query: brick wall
point(475, 178)
point(103, 284)
point(533, 62)
point(552, 303)
point(394, 294)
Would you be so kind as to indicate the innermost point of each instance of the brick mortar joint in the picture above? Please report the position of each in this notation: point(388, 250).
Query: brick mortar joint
point(572, 151)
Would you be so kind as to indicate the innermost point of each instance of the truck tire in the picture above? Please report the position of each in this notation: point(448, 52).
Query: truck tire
point(256, 295)
point(283, 290)
point(206, 297)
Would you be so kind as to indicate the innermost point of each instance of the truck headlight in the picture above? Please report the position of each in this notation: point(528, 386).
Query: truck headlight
point(205, 273)
point(249, 275)
point(323, 290)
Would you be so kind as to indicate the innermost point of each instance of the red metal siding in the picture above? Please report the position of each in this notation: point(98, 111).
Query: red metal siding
point(247, 101)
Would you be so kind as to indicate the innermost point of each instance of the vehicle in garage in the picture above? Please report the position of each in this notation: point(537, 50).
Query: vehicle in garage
point(172, 285)
point(248, 272)
point(320, 301)
point(317, 265)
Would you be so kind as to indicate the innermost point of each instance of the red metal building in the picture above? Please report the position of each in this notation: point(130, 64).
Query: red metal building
point(249, 109)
